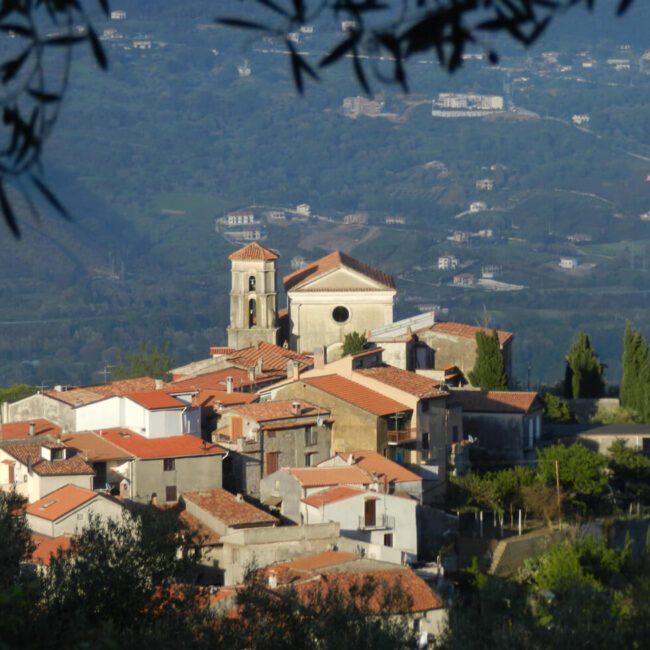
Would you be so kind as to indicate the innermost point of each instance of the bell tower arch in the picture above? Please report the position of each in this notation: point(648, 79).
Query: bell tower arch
point(253, 297)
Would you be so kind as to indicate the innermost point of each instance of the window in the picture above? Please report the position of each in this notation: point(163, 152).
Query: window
point(272, 462)
point(251, 283)
point(454, 434)
point(370, 513)
point(311, 436)
point(169, 464)
point(310, 459)
point(341, 314)
point(252, 313)
point(425, 406)
point(388, 539)
point(425, 441)
point(170, 493)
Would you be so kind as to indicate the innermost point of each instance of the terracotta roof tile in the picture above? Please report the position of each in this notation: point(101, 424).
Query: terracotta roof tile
point(47, 547)
point(24, 453)
point(255, 252)
point(468, 331)
point(217, 350)
point(215, 380)
point(155, 399)
point(90, 394)
point(314, 562)
point(274, 357)
point(409, 382)
point(226, 507)
point(207, 536)
point(17, 430)
point(374, 463)
point(476, 401)
point(62, 501)
point(279, 410)
point(210, 398)
point(332, 495)
point(170, 447)
point(325, 476)
point(330, 262)
point(354, 393)
point(95, 447)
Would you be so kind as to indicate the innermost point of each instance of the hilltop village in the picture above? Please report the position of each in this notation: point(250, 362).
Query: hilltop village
point(283, 448)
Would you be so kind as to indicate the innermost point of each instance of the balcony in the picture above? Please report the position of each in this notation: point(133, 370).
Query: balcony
point(402, 436)
point(377, 522)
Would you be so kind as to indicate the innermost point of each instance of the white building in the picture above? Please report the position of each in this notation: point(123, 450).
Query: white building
point(118, 14)
point(240, 218)
point(380, 519)
point(446, 262)
point(142, 44)
point(36, 469)
point(303, 209)
point(485, 184)
point(580, 119)
point(477, 206)
point(68, 510)
point(153, 414)
point(569, 263)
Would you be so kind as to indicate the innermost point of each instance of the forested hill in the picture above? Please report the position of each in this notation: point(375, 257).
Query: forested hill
point(149, 154)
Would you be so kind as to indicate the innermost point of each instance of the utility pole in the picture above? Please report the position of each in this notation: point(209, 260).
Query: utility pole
point(559, 502)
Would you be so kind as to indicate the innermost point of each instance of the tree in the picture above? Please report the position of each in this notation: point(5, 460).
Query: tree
point(16, 392)
point(635, 379)
point(489, 368)
point(46, 32)
point(16, 539)
point(148, 361)
point(354, 343)
point(581, 471)
point(584, 372)
point(630, 472)
point(557, 410)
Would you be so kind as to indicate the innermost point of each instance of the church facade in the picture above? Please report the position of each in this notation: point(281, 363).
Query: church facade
point(326, 300)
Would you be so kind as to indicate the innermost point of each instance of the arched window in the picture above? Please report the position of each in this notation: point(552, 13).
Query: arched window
point(251, 283)
point(252, 313)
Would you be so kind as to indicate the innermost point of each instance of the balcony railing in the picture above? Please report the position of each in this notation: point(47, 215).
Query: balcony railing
point(376, 522)
point(402, 436)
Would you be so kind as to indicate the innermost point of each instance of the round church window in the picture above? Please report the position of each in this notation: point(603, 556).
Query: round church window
point(341, 314)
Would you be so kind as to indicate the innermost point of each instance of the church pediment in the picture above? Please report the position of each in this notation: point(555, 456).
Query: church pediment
point(342, 279)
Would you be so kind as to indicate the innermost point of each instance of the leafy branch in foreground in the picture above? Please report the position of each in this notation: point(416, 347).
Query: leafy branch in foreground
point(33, 82)
point(396, 30)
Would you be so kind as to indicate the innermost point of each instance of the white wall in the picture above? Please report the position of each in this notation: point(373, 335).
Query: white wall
point(348, 511)
point(104, 414)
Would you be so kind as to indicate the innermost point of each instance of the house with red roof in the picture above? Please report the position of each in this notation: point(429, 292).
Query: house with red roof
point(68, 510)
point(268, 435)
point(313, 577)
point(36, 468)
point(59, 404)
point(506, 424)
point(156, 469)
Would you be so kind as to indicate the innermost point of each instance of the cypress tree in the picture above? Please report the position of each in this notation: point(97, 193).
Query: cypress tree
point(627, 365)
point(584, 377)
point(489, 372)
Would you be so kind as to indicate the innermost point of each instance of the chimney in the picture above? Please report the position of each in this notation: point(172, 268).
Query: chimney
point(258, 366)
point(351, 460)
point(154, 499)
point(295, 408)
point(240, 498)
point(251, 373)
point(158, 384)
point(320, 357)
point(32, 428)
point(273, 580)
point(293, 370)
point(229, 382)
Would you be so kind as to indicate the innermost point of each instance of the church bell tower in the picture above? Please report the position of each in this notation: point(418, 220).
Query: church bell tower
point(253, 297)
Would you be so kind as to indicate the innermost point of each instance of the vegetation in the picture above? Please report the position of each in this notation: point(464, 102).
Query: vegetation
point(557, 410)
point(16, 392)
point(584, 371)
point(148, 361)
point(354, 343)
point(635, 381)
point(489, 371)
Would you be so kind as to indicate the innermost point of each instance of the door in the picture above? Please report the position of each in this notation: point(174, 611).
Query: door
point(370, 513)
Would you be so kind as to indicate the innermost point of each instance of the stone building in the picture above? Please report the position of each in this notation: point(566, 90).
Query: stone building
point(253, 297)
point(264, 437)
point(332, 297)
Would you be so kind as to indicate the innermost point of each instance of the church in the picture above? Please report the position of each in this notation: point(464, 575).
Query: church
point(326, 300)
